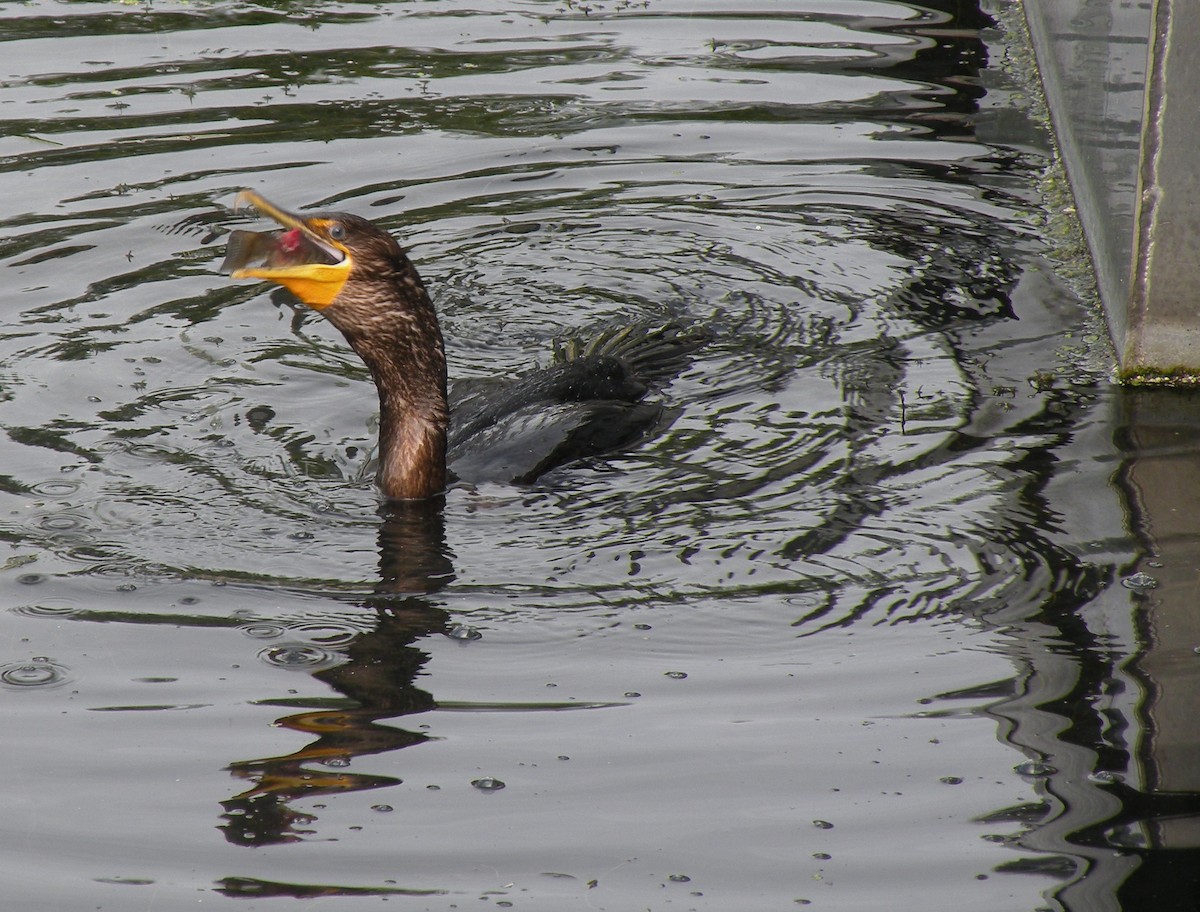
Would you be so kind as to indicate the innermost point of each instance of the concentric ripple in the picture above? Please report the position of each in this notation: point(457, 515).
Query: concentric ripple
point(37, 672)
point(806, 187)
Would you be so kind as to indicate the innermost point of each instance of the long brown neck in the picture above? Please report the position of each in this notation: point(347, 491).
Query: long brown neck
point(412, 447)
point(390, 322)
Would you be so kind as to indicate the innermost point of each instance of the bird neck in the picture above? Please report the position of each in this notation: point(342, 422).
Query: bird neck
point(394, 329)
point(412, 447)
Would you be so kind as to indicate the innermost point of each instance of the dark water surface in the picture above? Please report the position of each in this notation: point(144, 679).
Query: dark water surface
point(860, 621)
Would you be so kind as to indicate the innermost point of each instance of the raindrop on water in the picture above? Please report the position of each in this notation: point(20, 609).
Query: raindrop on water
point(1105, 777)
point(487, 784)
point(263, 631)
point(464, 632)
point(327, 633)
point(38, 672)
point(301, 656)
point(677, 675)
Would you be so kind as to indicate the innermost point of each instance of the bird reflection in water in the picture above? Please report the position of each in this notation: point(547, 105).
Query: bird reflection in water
point(377, 682)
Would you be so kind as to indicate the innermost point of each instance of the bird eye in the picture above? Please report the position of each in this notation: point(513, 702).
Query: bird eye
point(337, 232)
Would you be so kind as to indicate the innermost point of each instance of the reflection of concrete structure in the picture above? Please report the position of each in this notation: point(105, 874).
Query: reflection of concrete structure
point(1162, 484)
point(1130, 156)
point(1123, 698)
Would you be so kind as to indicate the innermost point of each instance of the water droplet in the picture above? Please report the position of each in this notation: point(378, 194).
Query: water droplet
point(263, 631)
point(632, 694)
point(679, 878)
point(951, 780)
point(39, 672)
point(563, 757)
point(1106, 777)
point(127, 587)
point(301, 536)
point(299, 656)
point(822, 856)
point(1139, 580)
point(464, 632)
point(433, 788)
point(677, 675)
point(823, 824)
point(487, 784)
point(642, 627)
point(1034, 769)
point(382, 808)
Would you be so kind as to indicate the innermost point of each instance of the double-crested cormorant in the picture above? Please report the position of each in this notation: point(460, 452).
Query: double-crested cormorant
point(591, 399)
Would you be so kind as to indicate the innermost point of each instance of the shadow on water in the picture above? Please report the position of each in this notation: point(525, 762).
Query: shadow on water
point(921, 593)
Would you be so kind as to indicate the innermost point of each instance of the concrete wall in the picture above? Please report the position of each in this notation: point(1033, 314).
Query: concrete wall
point(1131, 155)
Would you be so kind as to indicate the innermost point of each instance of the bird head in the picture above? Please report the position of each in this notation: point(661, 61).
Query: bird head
point(315, 256)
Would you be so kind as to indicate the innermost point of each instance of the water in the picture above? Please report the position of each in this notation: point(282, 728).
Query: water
point(804, 645)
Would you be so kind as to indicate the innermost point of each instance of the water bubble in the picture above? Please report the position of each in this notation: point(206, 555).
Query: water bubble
point(299, 656)
point(823, 824)
point(642, 627)
point(336, 762)
point(464, 632)
point(1034, 769)
point(632, 694)
point(676, 675)
point(822, 856)
point(951, 780)
point(382, 808)
point(263, 631)
point(1140, 581)
point(31, 579)
point(38, 672)
point(487, 784)
point(679, 878)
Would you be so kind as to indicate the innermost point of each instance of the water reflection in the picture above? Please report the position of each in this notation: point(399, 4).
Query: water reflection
point(376, 680)
point(891, 441)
